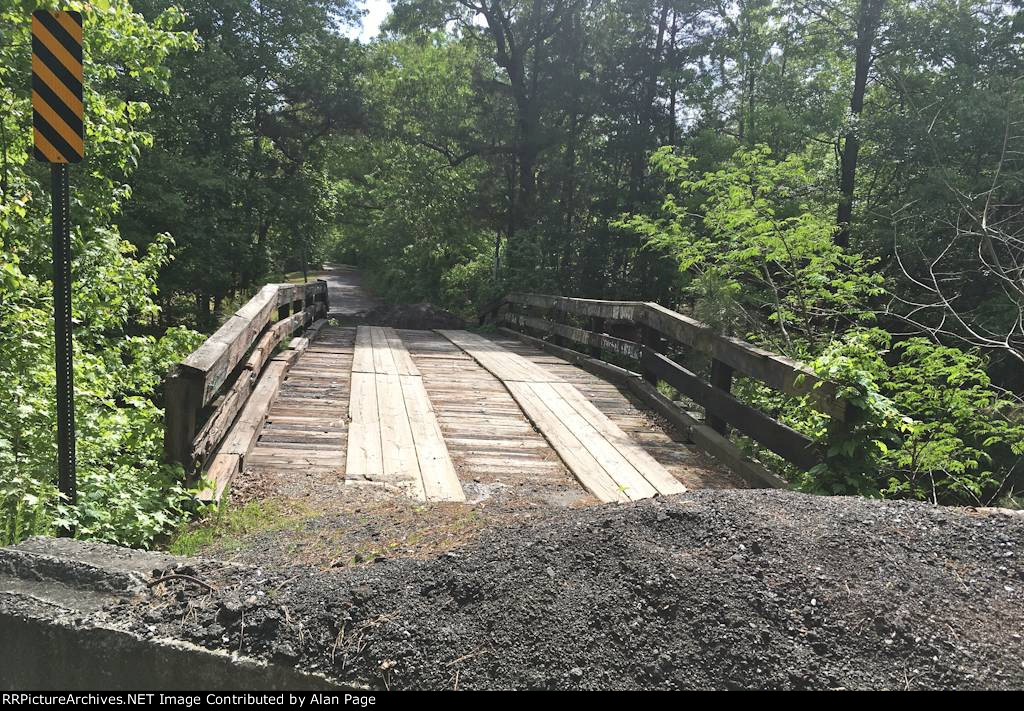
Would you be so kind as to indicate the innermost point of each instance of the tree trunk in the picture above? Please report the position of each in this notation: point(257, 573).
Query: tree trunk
point(868, 19)
point(645, 120)
point(203, 310)
point(672, 60)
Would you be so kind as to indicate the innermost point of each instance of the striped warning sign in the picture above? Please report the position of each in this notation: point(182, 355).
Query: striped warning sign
point(57, 86)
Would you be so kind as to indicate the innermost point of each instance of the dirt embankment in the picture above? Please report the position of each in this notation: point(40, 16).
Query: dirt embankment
point(422, 317)
point(749, 589)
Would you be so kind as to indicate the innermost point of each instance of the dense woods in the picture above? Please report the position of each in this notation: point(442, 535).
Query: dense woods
point(840, 181)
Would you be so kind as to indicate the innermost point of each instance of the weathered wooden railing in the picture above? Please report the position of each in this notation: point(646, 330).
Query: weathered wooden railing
point(649, 335)
point(208, 391)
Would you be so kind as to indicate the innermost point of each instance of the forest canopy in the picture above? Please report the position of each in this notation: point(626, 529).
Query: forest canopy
point(839, 181)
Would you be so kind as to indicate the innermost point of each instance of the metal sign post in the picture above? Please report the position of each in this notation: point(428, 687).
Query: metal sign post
point(62, 330)
point(57, 113)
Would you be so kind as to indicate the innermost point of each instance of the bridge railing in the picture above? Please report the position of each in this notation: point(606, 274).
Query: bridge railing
point(204, 394)
point(649, 336)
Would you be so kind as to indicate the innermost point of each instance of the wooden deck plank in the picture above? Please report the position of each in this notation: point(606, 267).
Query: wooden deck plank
point(655, 474)
point(364, 458)
point(249, 423)
point(362, 360)
point(570, 421)
point(580, 461)
point(401, 465)
point(628, 480)
point(413, 454)
point(383, 358)
point(501, 362)
point(440, 482)
point(403, 361)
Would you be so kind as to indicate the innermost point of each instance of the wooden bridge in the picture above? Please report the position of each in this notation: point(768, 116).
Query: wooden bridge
point(555, 396)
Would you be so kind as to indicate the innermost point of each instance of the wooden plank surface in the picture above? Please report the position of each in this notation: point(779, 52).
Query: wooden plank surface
point(364, 458)
point(627, 479)
point(597, 451)
point(646, 465)
point(573, 452)
point(440, 482)
point(403, 361)
point(401, 465)
point(394, 437)
point(310, 415)
point(503, 364)
point(611, 389)
point(383, 360)
point(493, 446)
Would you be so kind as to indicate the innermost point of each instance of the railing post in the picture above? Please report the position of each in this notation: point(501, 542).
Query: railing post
point(721, 378)
point(552, 314)
point(323, 296)
point(183, 397)
point(506, 317)
point(596, 326)
point(650, 339)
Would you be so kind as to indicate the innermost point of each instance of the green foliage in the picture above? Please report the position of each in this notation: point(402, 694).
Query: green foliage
point(927, 423)
point(239, 172)
point(230, 524)
point(126, 494)
point(753, 240)
point(408, 190)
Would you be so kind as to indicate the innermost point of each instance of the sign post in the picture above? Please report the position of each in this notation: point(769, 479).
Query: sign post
point(57, 113)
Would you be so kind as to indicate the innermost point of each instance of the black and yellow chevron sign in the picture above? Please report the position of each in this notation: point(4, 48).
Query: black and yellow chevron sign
point(57, 86)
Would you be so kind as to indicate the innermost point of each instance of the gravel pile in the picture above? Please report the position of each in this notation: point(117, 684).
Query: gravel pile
point(710, 589)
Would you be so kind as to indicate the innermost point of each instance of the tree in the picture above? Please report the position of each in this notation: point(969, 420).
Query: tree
point(242, 145)
point(868, 17)
point(125, 494)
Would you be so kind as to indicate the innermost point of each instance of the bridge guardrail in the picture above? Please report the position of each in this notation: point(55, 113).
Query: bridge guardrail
point(654, 334)
point(204, 393)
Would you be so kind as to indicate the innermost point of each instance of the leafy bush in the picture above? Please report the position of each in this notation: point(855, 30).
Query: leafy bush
point(126, 495)
point(755, 243)
point(928, 424)
point(756, 250)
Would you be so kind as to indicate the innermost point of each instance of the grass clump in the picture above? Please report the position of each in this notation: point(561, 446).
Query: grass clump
point(226, 528)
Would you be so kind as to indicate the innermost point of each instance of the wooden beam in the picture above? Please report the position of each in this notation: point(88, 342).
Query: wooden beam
point(195, 383)
point(598, 341)
point(701, 435)
point(215, 359)
point(624, 310)
point(231, 456)
point(183, 394)
point(784, 441)
point(721, 378)
point(706, 438)
point(778, 372)
point(219, 423)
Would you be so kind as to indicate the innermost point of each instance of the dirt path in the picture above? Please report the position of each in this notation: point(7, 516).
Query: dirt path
point(347, 294)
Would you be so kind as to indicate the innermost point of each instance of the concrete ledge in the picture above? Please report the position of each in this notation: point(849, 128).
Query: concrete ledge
point(55, 634)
